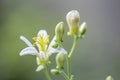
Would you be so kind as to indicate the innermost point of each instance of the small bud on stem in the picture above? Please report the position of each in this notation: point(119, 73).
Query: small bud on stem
point(83, 28)
point(54, 71)
point(59, 31)
point(60, 60)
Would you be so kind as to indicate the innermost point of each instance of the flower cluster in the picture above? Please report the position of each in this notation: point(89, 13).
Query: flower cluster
point(43, 48)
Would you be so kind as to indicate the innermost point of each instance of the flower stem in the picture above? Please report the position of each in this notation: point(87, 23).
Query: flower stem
point(69, 57)
point(68, 67)
point(46, 73)
point(73, 47)
point(64, 75)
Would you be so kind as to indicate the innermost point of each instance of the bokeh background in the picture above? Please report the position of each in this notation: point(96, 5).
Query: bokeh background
point(96, 56)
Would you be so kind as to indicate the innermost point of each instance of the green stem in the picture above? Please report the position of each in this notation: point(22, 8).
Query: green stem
point(64, 75)
point(73, 47)
point(69, 57)
point(68, 67)
point(46, 73)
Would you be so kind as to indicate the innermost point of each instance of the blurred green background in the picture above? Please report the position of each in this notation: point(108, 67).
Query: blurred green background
point(96, 56)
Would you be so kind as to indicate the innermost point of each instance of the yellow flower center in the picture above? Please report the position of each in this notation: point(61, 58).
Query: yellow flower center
point(42, 40)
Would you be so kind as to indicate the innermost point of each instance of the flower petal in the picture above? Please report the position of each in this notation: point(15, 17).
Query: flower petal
point(28, 50)
point(26, 41)
point(62, 50)
point(52, 50)
point(52, 43)
point(38, 60)
point(42, 32)
point(57, 50)
point(39, 68)
point(42, 54)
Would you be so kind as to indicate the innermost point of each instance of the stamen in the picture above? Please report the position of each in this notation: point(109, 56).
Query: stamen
point(42, 40)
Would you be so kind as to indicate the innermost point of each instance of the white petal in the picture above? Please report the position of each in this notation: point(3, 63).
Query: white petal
point(26, 41)
point(62, 50)
point(52, 43)
point(38, 61)
point(42, 54)
point(42, 32)
point(28, 50)
point(39, 68)
point(52, 50)
point(57, 50)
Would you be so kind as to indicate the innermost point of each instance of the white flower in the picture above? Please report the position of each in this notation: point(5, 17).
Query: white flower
point(44, 50)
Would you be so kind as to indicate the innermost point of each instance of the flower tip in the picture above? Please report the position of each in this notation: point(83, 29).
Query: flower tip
point(21, 53)
point(24, 39)
point(21, 37)
point(73, 15)
point(42, 32)
point(39, 68)
point(109, 78)
point(73, 19)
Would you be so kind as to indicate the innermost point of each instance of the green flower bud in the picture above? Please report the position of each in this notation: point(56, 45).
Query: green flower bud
point(59, 31)
point(60, 60)
point(109, 78)
point(54, 71)
point(83, 28)
point(55, 45)
point(73, 19)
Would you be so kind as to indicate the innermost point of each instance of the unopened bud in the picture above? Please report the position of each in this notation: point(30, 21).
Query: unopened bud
point(54, 71)
point(73, 19)
point(55, 45)
point(109, 78)
point(60, 60)
point(83, 28)
point(59, 31)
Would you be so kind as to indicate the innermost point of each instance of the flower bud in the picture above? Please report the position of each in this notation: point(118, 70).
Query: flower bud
point(109, 78)
point(59, 31)
point(83, 28)
point(60, 60)
point(54, 71)
point(55, 45)
point(73, 19)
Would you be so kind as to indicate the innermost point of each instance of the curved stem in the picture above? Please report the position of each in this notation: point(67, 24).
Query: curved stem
point(69, 57)
point(73, 47)
point(46, 73)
